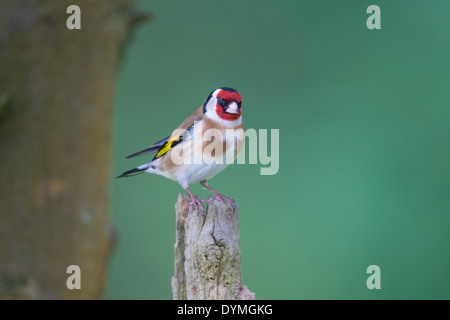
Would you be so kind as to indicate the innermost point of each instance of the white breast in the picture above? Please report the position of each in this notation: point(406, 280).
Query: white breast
point(197, 172)
point(194, 159)
point(211, 165)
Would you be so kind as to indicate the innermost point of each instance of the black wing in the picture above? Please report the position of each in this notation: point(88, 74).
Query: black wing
point(152, 149)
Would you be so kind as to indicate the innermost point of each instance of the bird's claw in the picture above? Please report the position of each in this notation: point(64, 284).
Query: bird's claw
point(210, 200)
point(197, 203)
point(226, 199)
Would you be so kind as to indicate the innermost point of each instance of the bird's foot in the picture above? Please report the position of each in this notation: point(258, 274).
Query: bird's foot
point(197, 203)
point(225, 200)
point(210, 200)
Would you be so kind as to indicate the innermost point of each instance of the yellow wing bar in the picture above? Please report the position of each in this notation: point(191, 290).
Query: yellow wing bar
point(168, 145)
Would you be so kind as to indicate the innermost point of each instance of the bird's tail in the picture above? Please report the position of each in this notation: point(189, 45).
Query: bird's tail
point(135, 171)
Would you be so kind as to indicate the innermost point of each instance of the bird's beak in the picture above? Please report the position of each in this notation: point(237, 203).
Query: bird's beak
point(232, 108)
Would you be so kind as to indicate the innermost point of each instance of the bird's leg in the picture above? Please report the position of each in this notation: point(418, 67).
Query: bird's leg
point(219, 196)
point(194, 200)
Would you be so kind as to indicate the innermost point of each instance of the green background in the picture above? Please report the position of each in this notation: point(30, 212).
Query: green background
point(364, 120)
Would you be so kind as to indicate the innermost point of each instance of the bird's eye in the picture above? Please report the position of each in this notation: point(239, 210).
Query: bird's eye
point(221, 102)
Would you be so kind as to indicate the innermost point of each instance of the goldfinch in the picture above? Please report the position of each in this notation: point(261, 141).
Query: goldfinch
point(194, 151)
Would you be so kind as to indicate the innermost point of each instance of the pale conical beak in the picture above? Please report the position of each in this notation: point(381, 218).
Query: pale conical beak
point(232, 108)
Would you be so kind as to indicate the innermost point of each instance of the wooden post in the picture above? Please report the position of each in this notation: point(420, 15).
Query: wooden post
point(207, 253)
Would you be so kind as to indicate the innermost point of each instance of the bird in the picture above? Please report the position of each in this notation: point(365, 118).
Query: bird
point(194, 152)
